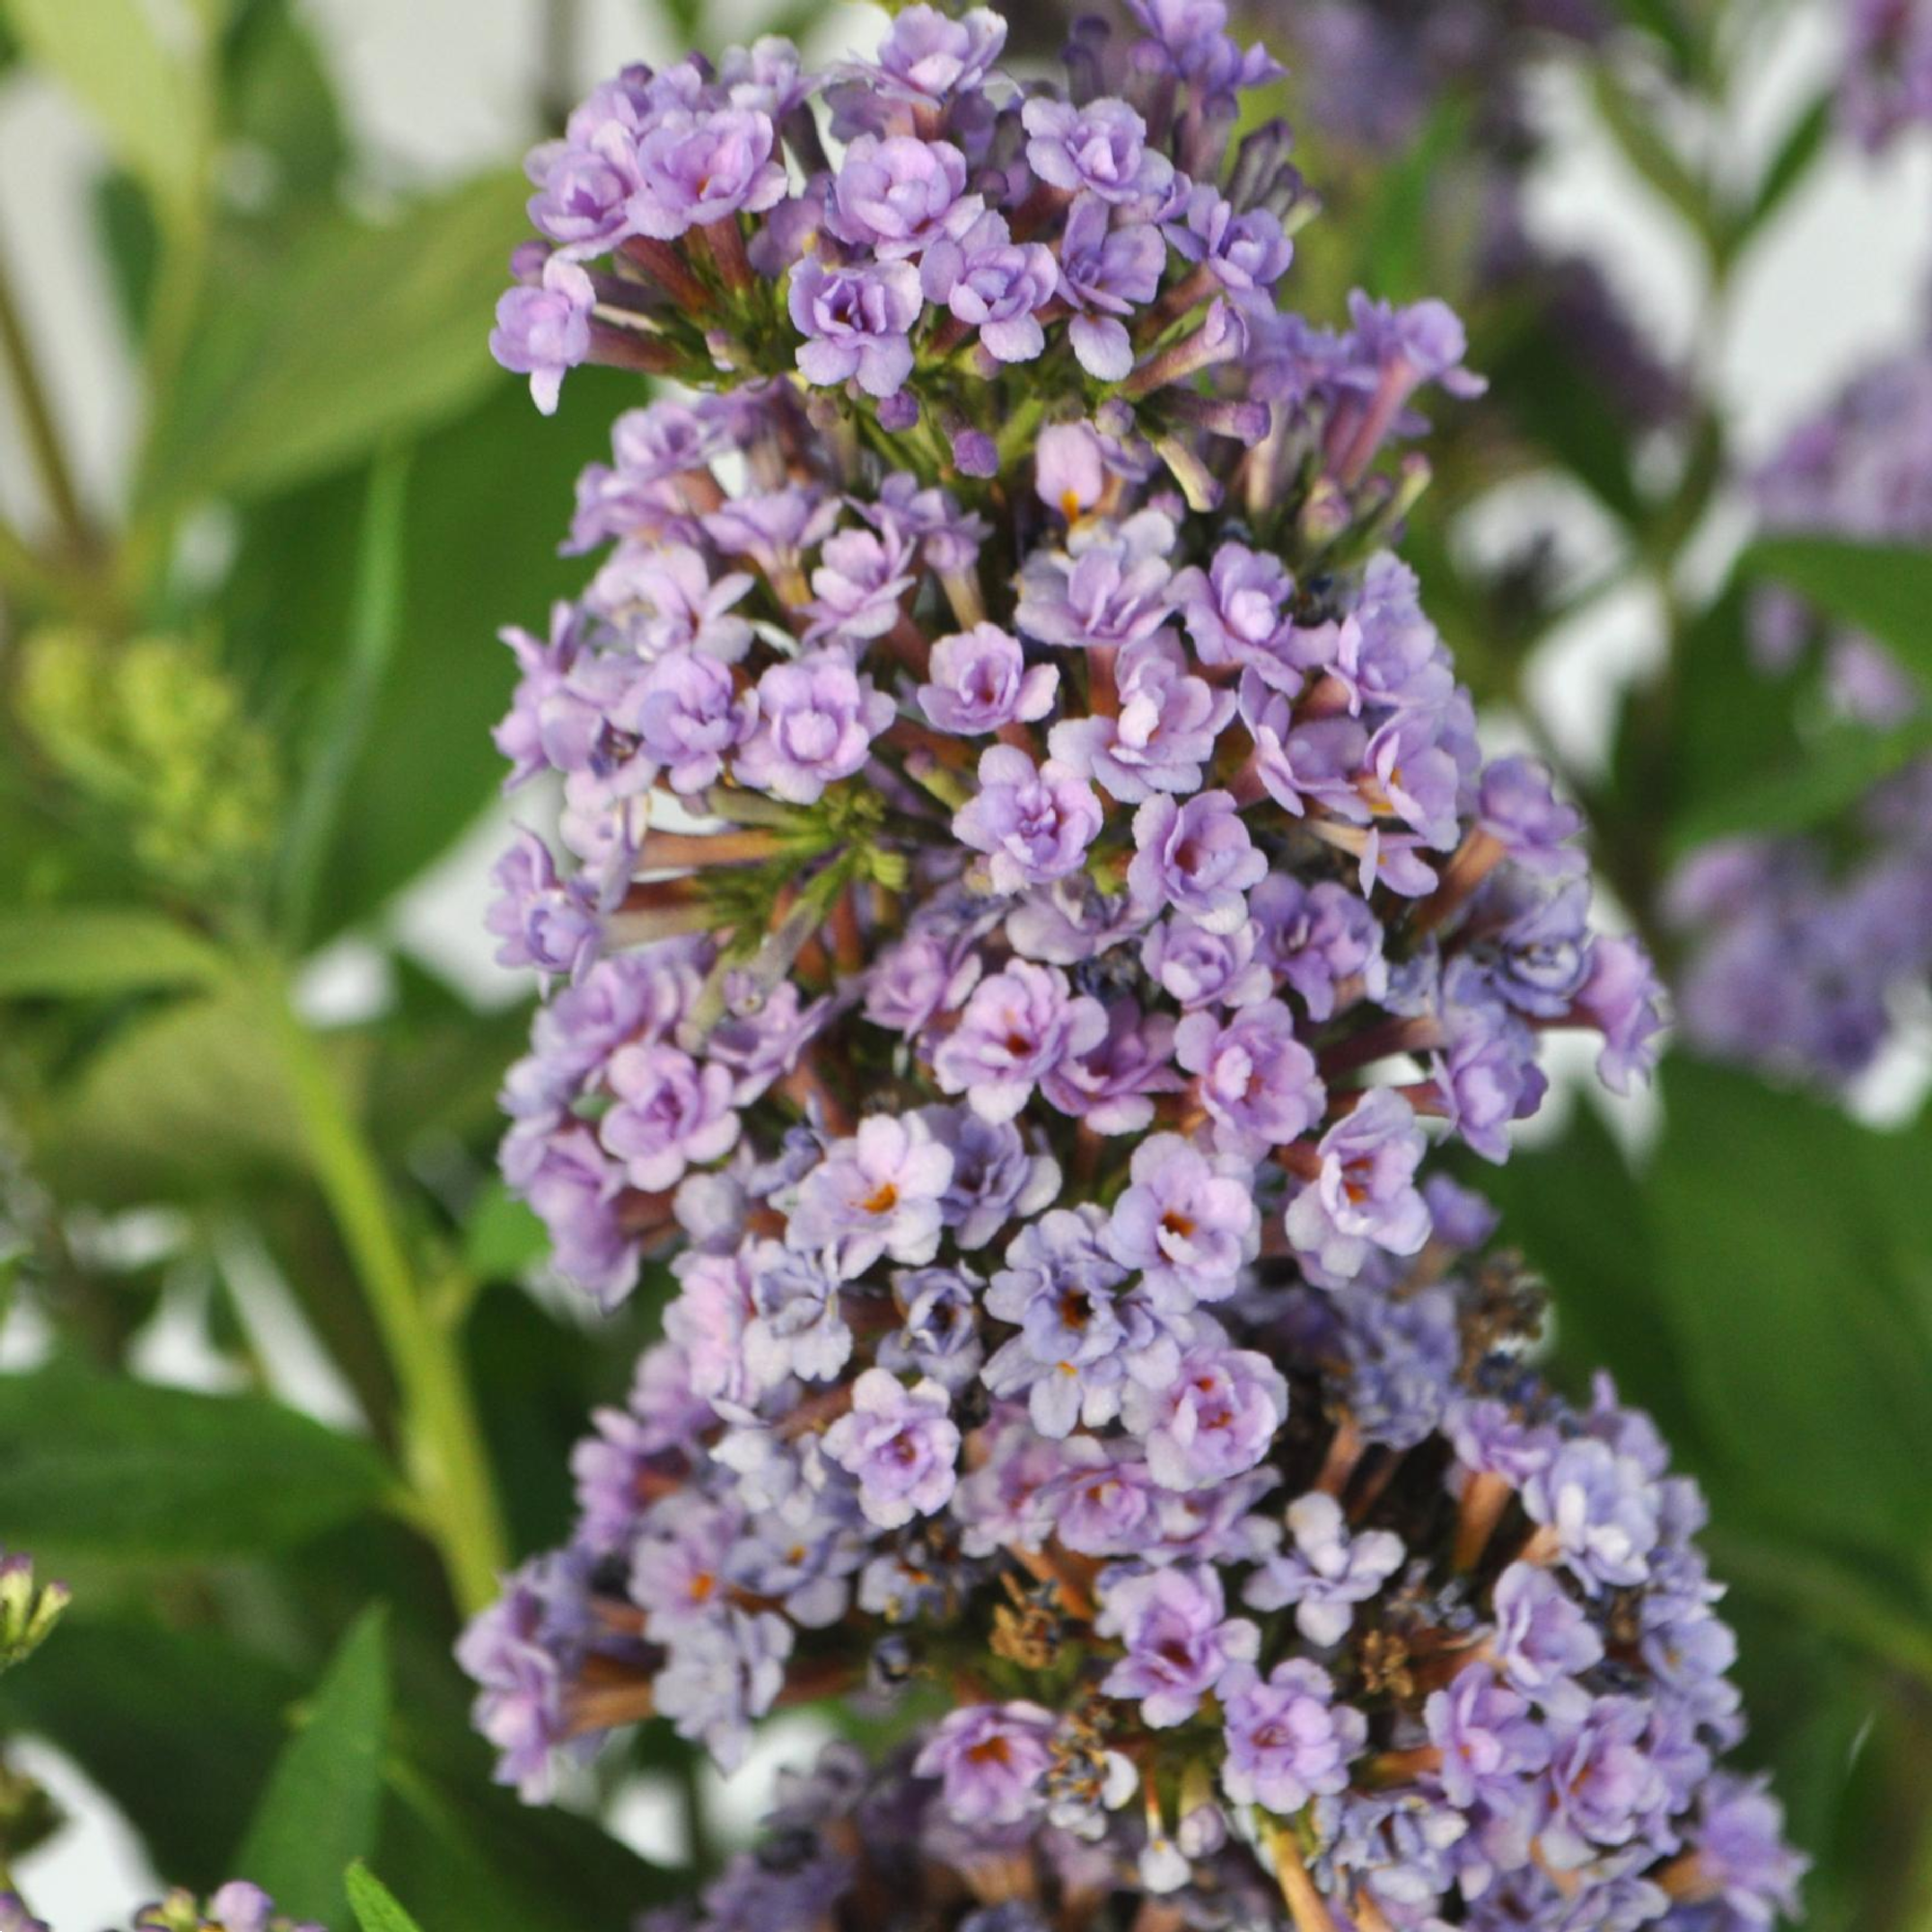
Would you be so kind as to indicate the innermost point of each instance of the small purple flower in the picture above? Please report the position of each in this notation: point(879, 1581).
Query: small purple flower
point(1740, 1854)
point(1247, 252)
point(856, 322)
point(1490, 1744)
point(1599, 1508)
point(902, 1445)
point(695, 169)
point(572, 1186)
point(583, 190)
point(930, 56)
point(543, 332)
point(1109, 586)
point(671, 1113)
point(1034, 824)
point(1018, 1027)
point(892, 196)
point(1100, 147)
point(1287, 1739)
point(1186, 1222)
point(1602, 1783)
point(799, 1328)
point(858, 585)
point(878, 1193)
point(994, 284)
point(521, 1653)
point(1195, 856)
point(991, 1759)
point(1327, 1572)
point(1516, 806)
point(981, 680)
point(542, 921)
point(1179, 1641)
point(1163, 734)
point(816, 720)
point(691, 716)
point(1233, 610)
point(1363, 1197)
point(721, 1674)
point(1198, 968)
point(1109, 1087)
point(1321, 938)
point(1623, 999)
point(1215, 1420)
point(996, 1177)
point(1487, 1075)
point(1105, 273)
point(1256, 1080)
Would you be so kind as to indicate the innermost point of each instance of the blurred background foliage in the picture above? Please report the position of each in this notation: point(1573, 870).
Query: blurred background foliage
point(246, 708)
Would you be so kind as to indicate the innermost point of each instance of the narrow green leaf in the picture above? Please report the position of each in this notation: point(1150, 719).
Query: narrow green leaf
point(349, 333)
point(1829, 778)
point(1885, 589)
point(375, 624)
point(374, 1904)
point(149, 101)
point(1803, 144)
point(1648, 150)
point(319, 1814)
point(72, 951)
point(117, 1468)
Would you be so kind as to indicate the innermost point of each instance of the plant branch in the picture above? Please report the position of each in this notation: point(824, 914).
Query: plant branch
point(44, 443)
point(446, 1465)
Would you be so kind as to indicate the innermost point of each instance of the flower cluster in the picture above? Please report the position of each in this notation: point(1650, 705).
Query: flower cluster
point(1032, 917)
point(1803, 951)
point(1886, 86)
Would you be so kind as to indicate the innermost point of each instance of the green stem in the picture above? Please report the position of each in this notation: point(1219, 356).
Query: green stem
point(443, 1445)
point(37, 418)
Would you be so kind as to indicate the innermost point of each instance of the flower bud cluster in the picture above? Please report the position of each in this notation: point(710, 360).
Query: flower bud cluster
point(1033, 915)
point(236, 1907)
point(1803, 951)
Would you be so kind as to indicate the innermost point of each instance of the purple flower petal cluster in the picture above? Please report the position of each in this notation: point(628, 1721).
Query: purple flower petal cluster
point(1028, 911)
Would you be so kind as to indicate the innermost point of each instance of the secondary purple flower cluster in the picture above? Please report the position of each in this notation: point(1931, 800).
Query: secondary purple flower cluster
point(1887, 87)
point(1808, 953)
point(1031, 916)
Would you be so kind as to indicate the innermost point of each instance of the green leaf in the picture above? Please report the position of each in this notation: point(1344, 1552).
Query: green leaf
point(1648, 150)
point(74, 951)
point(1396, 226)
point(375, 625)
point(374, 1904)
point(320, 1812)
point(1803, 144)
point(125, 1469)
point(176, 1726)
point(1829, 778)
point(503, 1236)
point(277, 97)
point(1789, 1247)
point(1881, 587)
point(179, 1102)
point(347, 334)
point(1570, 416)
point(148, 101)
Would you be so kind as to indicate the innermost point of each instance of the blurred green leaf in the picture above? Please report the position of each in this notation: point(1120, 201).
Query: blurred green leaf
point(318, 1813)
point(479, 556)
point(276, 96)
point(1397, 225)
point(1827, 779)
point(125, 1469)
point(148, 100)
point(1803, 144)
point(1883, 588)
point(1784, 1251)
point(375, 625)
point(1648, 149)
point(179, 1101)
point(501, 1237)
point(352, 332)
point(74, 951)
point(374, 1904)
point(175, 1726)
point(1571, 417)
